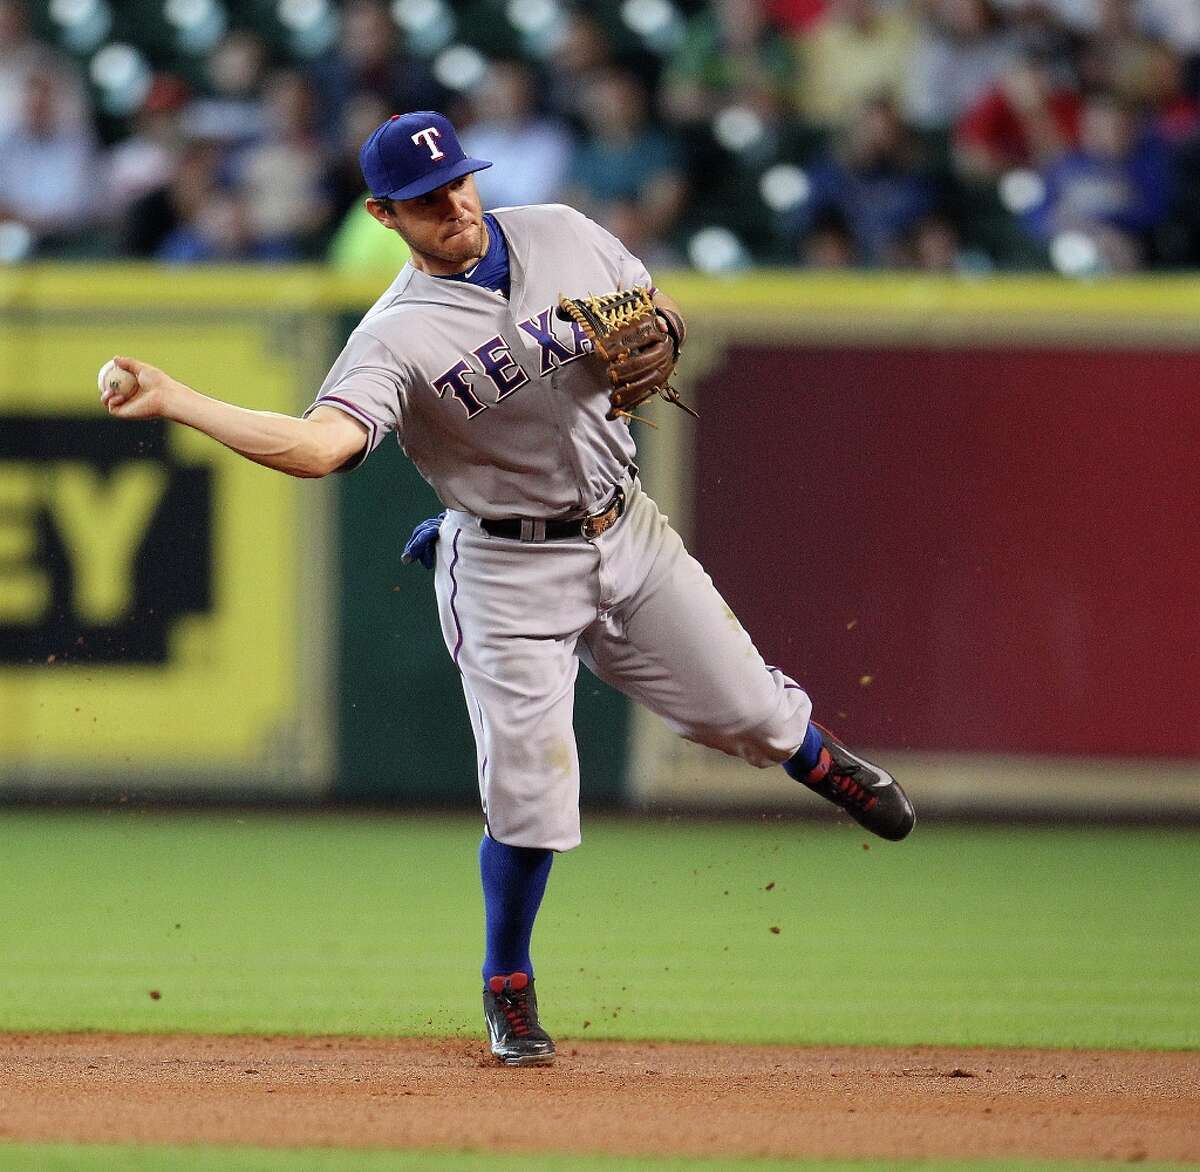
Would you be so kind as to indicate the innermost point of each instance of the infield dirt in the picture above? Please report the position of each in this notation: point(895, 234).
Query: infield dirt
point(627, 1098)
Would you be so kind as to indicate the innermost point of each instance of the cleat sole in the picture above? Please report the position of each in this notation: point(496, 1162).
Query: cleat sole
point(526, 1059)
point(529, 1061)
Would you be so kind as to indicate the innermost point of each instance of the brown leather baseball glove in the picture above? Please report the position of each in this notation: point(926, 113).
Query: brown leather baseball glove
point(626, 329)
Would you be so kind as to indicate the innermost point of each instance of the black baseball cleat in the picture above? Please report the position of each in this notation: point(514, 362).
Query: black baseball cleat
point(511, 1012)
point(870, 795)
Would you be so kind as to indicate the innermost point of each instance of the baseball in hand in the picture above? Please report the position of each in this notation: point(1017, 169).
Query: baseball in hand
point(115, 380)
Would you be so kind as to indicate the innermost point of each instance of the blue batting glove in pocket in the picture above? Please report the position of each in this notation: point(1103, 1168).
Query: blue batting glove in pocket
point(421, 545)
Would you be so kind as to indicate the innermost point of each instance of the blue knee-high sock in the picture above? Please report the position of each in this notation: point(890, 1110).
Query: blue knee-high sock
point(804, 760)
point(514, 881)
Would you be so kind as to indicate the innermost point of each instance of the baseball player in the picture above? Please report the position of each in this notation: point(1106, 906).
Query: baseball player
point(549, 552)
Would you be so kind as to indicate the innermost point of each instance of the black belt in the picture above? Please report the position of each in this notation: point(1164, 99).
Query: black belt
point(528, 529)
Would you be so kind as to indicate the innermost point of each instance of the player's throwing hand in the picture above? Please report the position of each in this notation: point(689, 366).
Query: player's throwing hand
point(142, 398)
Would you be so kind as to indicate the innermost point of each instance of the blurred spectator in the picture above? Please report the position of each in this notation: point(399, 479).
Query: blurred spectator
point(626, 174)
point(531, 152)
point(1039, 35)
point(1114, 188)
point(259, 164)
point(146, 160)
point(23, 57)
point(873, 183)
point(153, 218)
point(935, 246)
point(796, 17)
point(343, 182)
point(371, 57)
point(1119, 56)
point(47, 180)
point(282, 176)
point(358, 244)
point(1184, 232)
point(361, 246)
point(859, 50)
point(583, 52)
point(1174, 113)
point(962, 50)
point(1175, 21)
point(232, 111)
point(1078, 17)
point(1028, 118)
point(731, 50)
point(219, 231)
point(827, 245)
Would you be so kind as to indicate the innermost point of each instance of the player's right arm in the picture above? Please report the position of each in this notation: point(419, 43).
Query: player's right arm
point(315, 446)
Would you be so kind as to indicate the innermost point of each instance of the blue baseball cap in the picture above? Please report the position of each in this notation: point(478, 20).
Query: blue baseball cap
point(411, 154)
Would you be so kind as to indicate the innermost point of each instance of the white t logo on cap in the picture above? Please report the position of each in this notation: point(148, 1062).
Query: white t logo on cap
point(427, 136)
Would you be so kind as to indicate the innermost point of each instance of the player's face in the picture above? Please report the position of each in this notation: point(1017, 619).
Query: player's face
point(444, 229)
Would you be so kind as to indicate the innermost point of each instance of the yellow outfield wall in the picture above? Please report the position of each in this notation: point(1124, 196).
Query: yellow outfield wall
point(158, 627)
point(1026, 304)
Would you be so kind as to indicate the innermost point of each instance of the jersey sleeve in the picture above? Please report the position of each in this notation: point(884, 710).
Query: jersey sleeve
point(630, 270)
point(633, 272)
point(365, 383)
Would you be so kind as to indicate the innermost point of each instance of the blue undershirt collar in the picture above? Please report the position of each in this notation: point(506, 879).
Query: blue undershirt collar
point(491, 273)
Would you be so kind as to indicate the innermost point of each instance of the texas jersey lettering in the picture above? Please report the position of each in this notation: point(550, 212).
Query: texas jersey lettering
point(487, 396)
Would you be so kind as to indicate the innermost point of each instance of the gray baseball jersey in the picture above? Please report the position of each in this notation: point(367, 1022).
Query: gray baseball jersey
point(487, 395)
point(489, 398)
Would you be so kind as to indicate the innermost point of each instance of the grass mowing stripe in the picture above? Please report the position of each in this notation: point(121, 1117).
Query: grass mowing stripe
point(128, 1158)
point(328, 923)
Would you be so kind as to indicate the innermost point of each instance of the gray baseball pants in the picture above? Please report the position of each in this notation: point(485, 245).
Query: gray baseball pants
point(641, 613)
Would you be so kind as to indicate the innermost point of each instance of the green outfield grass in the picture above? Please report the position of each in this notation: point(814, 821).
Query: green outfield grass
point(371, 925)
point(126, 1158)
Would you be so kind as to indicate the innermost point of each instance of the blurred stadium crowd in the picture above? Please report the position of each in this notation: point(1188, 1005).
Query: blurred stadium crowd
point(936, 135)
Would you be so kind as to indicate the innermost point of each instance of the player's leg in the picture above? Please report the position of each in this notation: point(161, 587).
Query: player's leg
point(666, 637)
point(514, 876)
point(510, 617)
point(514, 881)
point(673, 644)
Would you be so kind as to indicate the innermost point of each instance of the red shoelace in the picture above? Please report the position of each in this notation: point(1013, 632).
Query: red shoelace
point(512, 994)
point(849, 788)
